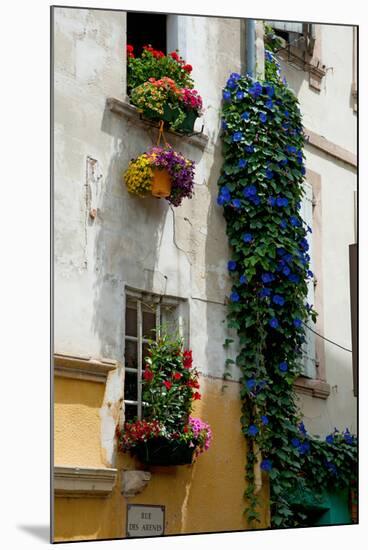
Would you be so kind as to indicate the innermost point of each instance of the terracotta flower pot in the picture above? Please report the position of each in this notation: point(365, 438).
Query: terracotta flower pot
point(161, 183)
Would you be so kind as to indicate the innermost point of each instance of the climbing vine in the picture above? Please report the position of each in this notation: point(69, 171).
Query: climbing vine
point(260, 189)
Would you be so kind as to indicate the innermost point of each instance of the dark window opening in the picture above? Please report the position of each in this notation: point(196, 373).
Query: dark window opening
point(145, 29)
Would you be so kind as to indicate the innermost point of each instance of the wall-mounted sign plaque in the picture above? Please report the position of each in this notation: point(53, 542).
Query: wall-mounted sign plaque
point(145, 520)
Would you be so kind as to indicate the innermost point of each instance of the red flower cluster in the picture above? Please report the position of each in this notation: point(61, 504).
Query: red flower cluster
point(196, 395)
point(156, 53)
point(193, 384)
point(148, 374)
point(167, 384)
point(177, 375)
point(188, 68)
point(188, 359)
point(130, 51)
point(135, 432)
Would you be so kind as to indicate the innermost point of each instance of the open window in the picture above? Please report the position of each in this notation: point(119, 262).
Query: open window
point(145, 313)
point(146, 29)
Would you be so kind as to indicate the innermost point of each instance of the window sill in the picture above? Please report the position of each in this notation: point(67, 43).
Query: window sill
point(72, 481)
point(83, 367)
point(313, 388)
point(130, 112)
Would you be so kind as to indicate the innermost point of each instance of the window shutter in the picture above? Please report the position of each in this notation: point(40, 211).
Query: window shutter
point(309, 347)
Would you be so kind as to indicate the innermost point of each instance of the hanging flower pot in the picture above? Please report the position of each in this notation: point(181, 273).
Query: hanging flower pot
point(161, 451)
point(161, 183)
point(163, 172)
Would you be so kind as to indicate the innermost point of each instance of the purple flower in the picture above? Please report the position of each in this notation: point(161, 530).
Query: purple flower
point(244, 116)
point(283, 366)
point(231, 265)
point(234, 296)
point(243, 280)
point(242, 163)
point(237, 136)
point(252, 430)
point(262, 117)
point(279, 300)
point(273, 322)
point(247, 237)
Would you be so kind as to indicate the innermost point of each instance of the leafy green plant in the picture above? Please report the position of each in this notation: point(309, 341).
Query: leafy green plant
point(260, 189)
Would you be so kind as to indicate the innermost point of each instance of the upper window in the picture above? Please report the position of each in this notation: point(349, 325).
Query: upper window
point(144, 314)
point(145, 29)
point(299, 35)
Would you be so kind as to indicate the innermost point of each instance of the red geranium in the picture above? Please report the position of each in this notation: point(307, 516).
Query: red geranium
point(167, 384)
point(193, 384)
point(177, 375)
point(188, 68)
point(188, 359)
point(148, 374)
point(196, 395)
point(174, 55)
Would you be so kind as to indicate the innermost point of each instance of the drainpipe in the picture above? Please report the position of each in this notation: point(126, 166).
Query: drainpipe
point(251, 46)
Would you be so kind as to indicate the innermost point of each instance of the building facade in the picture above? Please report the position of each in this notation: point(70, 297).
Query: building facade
point(124, 265)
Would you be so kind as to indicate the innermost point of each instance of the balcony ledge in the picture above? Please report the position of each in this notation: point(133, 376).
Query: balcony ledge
point(73, 481)
point(83, 367)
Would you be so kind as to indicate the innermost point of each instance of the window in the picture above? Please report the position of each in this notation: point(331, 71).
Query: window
point(309, 347)
point(144, 314)
point(299, 35)
point(146, 28)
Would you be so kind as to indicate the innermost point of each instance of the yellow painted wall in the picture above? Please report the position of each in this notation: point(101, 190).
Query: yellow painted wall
point(204, 497)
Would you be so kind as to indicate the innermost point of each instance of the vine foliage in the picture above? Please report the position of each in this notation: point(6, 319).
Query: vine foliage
point(261, 189)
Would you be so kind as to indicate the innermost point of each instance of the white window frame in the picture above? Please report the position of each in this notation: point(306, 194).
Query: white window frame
point(158, 303)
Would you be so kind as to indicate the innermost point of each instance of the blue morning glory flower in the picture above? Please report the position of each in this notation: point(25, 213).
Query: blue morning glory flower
point(237, 136)
point(273, 322)
point(288, 258)
point(302, 428)
point(272, 201)
point(267, 277)
point(240, 95)
point(251, 383)
point(268, 55)
point(282, 201)
point(304, 448)
point(304, 244)
point(303, 170)
point(280, 251)
point(264, 420)
point(242, 163)
point(245, 116)
point(235, 76)
point(231, 265)
point(255, 90)
point(249, 149)
point(236, 203)
point(283, 162)
point(270, 90)
point(223, 124)
point(291, 149)
point(287, 114)
point(297, 322)
point(310, 274)
point(286, 271)
point(269, 104)
point(262, 117)
point(247, 237)
point(234, 296)
point(264, 292)
point(279, 300)
point(249, 191)
point(243, 280)
point(226, 95)
point(295, 442)
point(266, 465)
point(330, 439)
point(269, 174)
point(283, 366)
point(231, 83)
point(283, 224)
point(252, 430)
point(348, 438)
point(294, 221)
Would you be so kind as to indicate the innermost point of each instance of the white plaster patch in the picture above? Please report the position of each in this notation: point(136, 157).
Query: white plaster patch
point(90, 60)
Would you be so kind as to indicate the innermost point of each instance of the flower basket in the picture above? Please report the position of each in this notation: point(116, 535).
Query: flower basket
point(161, 183)
point(170, 114)
point(187, 126)
point(160, 451)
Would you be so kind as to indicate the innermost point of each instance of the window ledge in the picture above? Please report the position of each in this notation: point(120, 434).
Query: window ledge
point(72, 481)
point(313, 388)
point(83, 367)
point(125, 110)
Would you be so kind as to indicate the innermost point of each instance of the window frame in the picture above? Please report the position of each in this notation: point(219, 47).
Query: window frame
point(159, 302)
